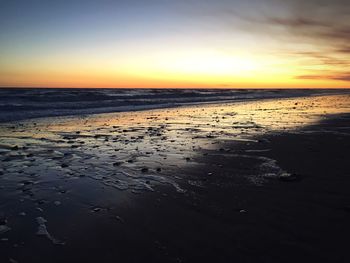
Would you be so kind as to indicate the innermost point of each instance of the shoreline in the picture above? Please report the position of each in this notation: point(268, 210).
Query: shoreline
point(227, 182)
point(121, 109)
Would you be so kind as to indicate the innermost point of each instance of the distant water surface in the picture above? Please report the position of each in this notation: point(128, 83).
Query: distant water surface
point(20, 104)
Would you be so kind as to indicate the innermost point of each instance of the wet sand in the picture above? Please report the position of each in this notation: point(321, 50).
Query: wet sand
point(263, 181)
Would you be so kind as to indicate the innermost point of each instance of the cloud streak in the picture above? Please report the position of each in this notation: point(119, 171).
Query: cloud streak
point(305, 40)
point(319, 33)
point(340, 76)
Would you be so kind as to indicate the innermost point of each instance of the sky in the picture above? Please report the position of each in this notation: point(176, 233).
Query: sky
point(175, 44)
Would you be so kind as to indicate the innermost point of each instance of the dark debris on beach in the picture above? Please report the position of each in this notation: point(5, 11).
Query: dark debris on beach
point(243, 183)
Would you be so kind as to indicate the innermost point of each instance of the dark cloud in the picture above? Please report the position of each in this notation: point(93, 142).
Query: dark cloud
point(335, 76)
point(318, 34)
point(345, 49)
point(343, 77)
point(321, 58)
point(314, 31)
point(314, 20)
point(296, 22)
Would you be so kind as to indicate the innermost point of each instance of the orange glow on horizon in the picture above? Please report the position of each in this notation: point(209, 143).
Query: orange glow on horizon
point(166, 69)
point(175, 44)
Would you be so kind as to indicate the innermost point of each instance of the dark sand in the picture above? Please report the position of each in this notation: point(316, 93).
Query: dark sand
point(257, 182)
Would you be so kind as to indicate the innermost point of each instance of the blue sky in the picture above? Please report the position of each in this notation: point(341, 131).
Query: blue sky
point(292, 40)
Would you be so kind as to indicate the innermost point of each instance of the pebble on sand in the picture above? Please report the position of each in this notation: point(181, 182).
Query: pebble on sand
point(119, 219)
point(4, 229)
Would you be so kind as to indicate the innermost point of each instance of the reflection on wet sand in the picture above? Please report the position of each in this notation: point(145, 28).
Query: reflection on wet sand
point(137, 150)
point(42, 160)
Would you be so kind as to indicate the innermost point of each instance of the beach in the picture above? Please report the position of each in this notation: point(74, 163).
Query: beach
point(258, 180)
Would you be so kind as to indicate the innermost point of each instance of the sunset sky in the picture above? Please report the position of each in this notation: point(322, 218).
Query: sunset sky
point(182, 43)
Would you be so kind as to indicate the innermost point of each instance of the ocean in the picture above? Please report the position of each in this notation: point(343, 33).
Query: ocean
point(20, 104)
